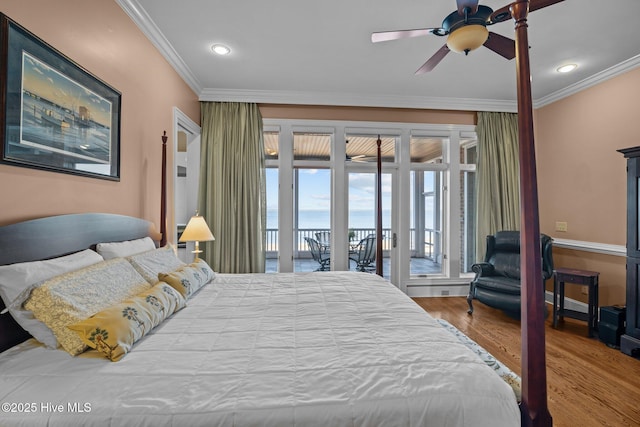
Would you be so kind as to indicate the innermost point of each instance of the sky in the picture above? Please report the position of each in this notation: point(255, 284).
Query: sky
point(315, 189)
point(314, 198)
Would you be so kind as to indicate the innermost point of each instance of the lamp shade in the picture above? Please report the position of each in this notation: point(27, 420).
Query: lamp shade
point(196, 230)
point(467, 38)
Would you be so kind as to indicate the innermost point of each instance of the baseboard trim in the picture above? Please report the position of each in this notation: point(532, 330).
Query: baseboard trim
point(569, 303)
point(447, 290)
point(463, 290)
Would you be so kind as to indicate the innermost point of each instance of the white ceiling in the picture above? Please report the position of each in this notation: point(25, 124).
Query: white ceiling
point(320, 52)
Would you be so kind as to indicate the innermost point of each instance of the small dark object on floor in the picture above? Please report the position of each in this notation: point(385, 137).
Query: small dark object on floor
point(611, 325)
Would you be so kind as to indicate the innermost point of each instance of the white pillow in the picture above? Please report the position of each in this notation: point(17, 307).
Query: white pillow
point(16, 280)
point(126, 248)
point(151, 263)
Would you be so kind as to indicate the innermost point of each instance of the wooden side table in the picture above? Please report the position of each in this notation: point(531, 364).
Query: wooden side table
point(579, 277)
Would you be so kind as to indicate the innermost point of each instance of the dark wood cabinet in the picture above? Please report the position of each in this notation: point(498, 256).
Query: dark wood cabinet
point(630, 341)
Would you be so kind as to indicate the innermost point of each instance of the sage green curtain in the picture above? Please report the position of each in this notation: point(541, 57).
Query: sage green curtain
point(498, 176)
point(232, 186)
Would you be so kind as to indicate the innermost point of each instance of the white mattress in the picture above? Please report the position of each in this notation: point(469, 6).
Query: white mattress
point(316, 349)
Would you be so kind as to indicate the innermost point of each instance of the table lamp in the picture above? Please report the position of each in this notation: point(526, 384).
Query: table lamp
point(196, 231)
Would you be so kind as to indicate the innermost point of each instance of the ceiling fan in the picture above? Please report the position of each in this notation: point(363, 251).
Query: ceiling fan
point(362, 158)
point(466, 29)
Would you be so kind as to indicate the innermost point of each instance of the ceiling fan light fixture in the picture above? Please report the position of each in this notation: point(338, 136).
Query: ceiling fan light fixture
point(467, 38)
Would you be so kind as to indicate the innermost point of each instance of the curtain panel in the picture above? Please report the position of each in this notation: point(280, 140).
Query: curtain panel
point(232, 186)
point(498, 176)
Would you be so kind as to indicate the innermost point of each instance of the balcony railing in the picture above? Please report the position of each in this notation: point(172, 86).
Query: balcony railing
point(301, 249)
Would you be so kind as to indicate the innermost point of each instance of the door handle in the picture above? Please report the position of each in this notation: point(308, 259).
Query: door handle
point(395, 240)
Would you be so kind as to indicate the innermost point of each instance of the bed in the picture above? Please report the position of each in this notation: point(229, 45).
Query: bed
point(306, 349)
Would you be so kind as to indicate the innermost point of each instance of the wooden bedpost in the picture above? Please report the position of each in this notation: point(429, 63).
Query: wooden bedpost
point(163, 192)
point(534, 377)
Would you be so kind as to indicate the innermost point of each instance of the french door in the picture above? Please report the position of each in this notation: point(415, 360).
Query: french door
point(323, 187)
point(362, 216)
point(361, 167)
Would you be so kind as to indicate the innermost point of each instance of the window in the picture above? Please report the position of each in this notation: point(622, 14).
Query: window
point(271, 146)
point(311, 146)
point(426, 150)
point(271, 149)
point(427, 205)
point(323, 187)
point(312, 200)
point(272, 220)
point(312, 216)
point(468, 205)
point(364, 149)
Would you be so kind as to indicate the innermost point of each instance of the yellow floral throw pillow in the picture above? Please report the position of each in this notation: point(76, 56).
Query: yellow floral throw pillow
point(189, 278)
point(114, 330)
point(71, 297)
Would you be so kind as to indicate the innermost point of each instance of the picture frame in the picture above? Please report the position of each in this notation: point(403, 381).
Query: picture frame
point(54, 115)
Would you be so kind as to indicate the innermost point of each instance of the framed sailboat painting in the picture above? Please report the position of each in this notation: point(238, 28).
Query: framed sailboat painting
point(55, 115)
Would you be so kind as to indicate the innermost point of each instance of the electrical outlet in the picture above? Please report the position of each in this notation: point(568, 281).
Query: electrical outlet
point(561, 226)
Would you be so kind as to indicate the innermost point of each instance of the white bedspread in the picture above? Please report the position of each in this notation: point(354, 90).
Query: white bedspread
point(316, 349)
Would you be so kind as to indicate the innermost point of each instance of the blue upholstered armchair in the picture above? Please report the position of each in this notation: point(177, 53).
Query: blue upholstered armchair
point(497, 279)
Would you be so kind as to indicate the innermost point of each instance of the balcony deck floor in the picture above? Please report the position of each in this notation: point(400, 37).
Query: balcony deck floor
point(419, 266)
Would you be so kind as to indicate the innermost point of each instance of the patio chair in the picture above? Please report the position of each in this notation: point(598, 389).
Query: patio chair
point(319, 253)
point(364, 255)
point(324, 239)
point(323, 236)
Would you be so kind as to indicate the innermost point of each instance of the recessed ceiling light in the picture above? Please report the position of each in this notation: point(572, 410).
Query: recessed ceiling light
point(566, 68)
point(220, 49)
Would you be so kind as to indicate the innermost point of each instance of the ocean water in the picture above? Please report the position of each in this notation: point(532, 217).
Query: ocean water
point(319, 219)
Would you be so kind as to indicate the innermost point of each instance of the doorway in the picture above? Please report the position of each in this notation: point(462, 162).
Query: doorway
point(361, 167)
point(186, 173)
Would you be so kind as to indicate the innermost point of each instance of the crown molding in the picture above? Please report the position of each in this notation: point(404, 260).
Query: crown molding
point(593, 80)
point(353, 99)
point(153, 33)
point(144, 22)
point(599, 248)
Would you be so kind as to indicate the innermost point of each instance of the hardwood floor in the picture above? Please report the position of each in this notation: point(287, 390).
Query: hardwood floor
point(589, 384)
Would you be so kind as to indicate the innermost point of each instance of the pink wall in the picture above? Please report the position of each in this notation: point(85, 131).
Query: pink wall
point(407, 115)
point(582, 178)
point(99, 36)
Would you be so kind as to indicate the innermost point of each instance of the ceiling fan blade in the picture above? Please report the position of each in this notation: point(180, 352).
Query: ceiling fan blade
point(434, 60)
point(384, 36)
point(363, 158)
point(471, 4)
point(539, 4)
point(500, 15)
point(504, 13)
point(501, 45)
